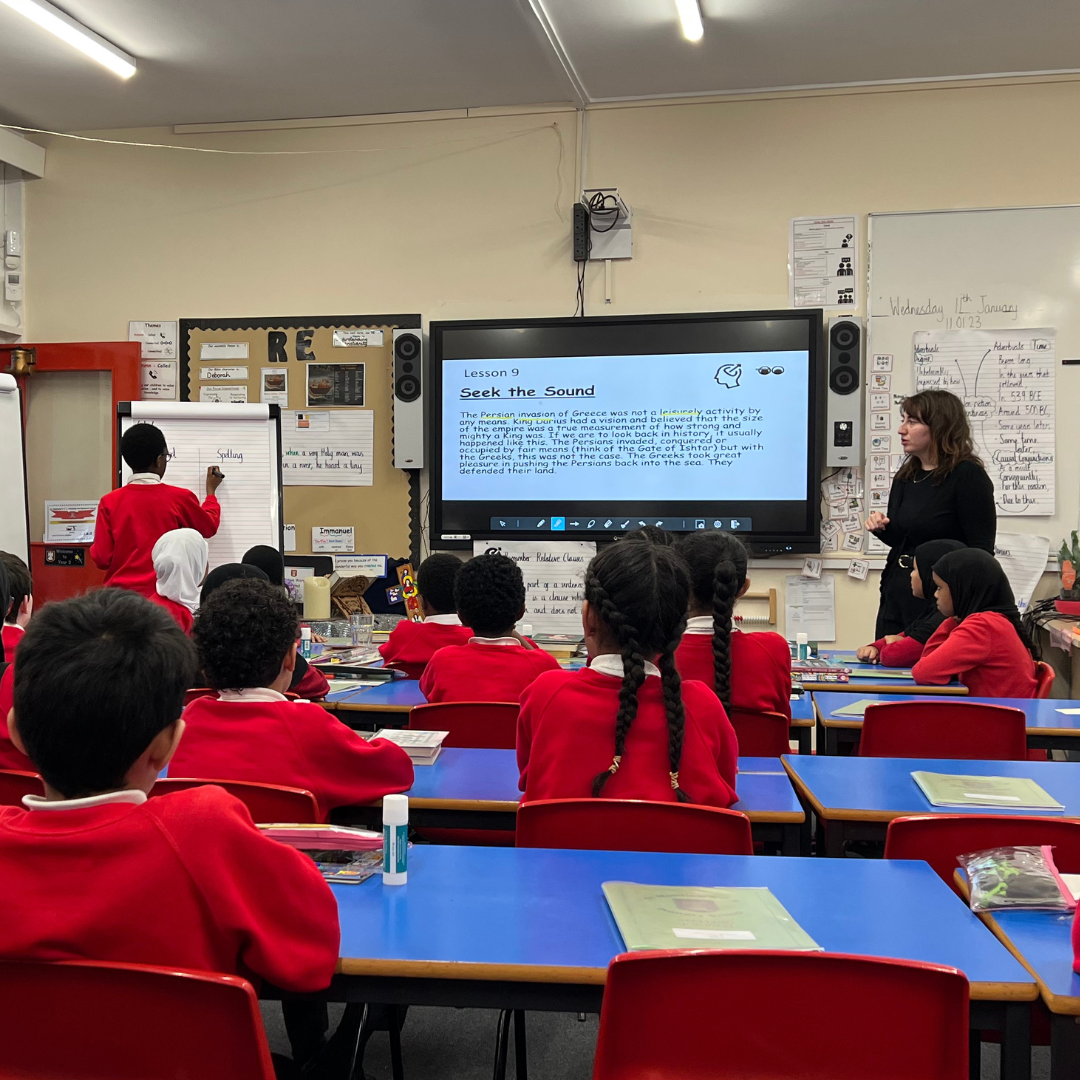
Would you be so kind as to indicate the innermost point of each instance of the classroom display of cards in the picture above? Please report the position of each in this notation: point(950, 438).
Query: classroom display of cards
point(423, 747)
point(1014, 792)
point(698, 917)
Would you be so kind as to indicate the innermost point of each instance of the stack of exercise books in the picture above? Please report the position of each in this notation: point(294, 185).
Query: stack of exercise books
point(423, 747)
point(821, 671)
point(1004, 792)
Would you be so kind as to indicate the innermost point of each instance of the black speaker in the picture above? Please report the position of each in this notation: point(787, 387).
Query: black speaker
point(845, 348)
point(408, 400)
point(845, 402)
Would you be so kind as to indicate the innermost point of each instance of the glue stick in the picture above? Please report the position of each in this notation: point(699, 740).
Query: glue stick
point(803, 641)
point(305, 642)
point(395, 825)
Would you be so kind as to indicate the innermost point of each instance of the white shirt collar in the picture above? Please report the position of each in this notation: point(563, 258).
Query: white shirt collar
point(253, 693)
point(129, 795)
point(444, 620)
point(145, 478)
point(699, 624)
point(496, 641)
point(612, 664)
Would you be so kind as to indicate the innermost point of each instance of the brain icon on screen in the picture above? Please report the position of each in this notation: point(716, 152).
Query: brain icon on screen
point(729, 375)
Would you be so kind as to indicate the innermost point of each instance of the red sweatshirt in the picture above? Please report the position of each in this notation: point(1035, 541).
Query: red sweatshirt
point(292, 743)
point(903, 653)
point(180, 613)
point(11, 635)
point(760, 669)
point(132, 519)
point(478, 671)
point(415, 643)
point(311, 686)
point(984, 652)
point(566, 735)
point(10, 758)
point(185, 880)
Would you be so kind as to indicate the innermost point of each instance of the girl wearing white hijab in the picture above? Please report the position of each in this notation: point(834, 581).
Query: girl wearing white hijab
point(180, 559)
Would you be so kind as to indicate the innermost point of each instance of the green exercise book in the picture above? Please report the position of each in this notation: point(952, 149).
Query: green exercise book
point(1014, 792)
point(697, 917)
point(884, 673)
point(855, 710)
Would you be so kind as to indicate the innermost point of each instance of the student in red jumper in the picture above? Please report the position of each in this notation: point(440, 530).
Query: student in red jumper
point(412, 644)
point(747, 671)
point(94, 870)
point(627, 727)
point(10, 756)
point(982, 640)
point(496, 663)
point(906, 648)
point(180, 564)
point(131, 518)
point(246, 635)
point(22, 601)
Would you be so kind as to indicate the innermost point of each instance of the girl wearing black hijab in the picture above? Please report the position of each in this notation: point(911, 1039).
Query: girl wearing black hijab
point(904, 649)
point(981, 640)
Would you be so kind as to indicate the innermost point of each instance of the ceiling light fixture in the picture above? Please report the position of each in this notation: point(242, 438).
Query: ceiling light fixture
point(75, 34)
point(689, 16)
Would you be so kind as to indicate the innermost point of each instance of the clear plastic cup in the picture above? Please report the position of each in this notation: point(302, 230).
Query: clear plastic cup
point(361, 628)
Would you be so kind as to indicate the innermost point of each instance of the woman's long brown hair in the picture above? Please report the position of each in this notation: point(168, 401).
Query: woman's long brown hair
point(950, 435)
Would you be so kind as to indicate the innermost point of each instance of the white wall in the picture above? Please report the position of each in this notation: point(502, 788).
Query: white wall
point(469, 218)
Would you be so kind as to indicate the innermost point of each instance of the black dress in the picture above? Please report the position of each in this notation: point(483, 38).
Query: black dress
point(960, 506)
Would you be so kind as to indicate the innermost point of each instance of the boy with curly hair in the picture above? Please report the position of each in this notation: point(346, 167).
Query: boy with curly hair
point(496, 663)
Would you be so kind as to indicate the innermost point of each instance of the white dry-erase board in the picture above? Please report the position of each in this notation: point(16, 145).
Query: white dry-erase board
point(1004, 270)
point(244, 441)
point(14, 519)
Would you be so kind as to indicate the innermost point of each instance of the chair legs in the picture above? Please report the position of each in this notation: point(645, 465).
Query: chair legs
point(502, 1044)
point(396, 1066)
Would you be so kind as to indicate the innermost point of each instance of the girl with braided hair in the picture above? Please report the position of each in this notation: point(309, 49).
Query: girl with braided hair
point(627, 727)
point(749, 672)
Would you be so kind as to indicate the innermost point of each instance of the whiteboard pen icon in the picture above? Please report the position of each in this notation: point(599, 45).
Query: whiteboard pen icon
point(592, 522)
point(540, 522)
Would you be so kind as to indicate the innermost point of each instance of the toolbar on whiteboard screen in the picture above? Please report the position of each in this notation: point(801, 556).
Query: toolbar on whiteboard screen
point(823, 262)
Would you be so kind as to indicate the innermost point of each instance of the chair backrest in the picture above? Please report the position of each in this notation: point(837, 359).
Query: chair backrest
point(483, 725)
point(660, 1012)
point(761, 734)
point(943, 729)
point(79, 1018)
point(409, 668)
point(14, 785)
point(197, 692)
point(939, 838)
point(267, 802)
point(1044, 675)
point(633, 825)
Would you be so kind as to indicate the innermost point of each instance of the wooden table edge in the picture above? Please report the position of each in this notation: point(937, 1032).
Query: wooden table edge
point(491, 805)
point(835, 722)
point(356, 706)
point(808, 721)
point(453, 969)
point(883, 688)
point(787, 817)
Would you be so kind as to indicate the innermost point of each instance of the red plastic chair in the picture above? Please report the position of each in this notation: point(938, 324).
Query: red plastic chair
point(267, 802)
point(410, 669)
point(934, 729)
point(188, 1023)
point(14, 785)
point(761, 734)
point(939, 838)
point(197, 692)
point(633, 825)
point(485, 725)
point(1044, 675)
point(661, 1009)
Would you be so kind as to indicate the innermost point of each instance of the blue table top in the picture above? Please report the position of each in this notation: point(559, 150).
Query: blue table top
point(537, 914)
point(1043, 714)
point(878, 789)
point(1044, 940)
point(876, 675)
point(802, 708)
point(393, 695)
point(462, 776)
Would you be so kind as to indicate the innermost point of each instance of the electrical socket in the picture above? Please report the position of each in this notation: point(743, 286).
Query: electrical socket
point(13, 242)
point(581, 233)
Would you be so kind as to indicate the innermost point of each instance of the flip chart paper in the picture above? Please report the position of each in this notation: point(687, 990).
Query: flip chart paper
point(1023, 558)
point(554, 575)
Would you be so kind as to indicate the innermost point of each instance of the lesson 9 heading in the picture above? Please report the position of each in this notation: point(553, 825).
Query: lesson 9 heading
point(528, 392)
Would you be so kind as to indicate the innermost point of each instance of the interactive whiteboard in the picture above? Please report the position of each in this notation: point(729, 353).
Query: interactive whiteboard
point(244, 441)
point(14, 534)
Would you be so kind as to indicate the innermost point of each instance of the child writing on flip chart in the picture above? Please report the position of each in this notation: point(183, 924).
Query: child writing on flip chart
point(748, 671)
point(981, 640)
point(180, 564)
point(132, 518)
point(627, 727)
point(246, 634)
point(904, 649)
point(496, 663)
point(412, 644)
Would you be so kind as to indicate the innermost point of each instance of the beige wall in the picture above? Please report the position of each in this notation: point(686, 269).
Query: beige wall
point(470, 218)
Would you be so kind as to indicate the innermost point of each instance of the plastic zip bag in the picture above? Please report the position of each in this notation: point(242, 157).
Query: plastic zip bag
point(1015, 877)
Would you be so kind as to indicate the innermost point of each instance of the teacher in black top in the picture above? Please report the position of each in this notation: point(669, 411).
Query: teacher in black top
point(941, 492)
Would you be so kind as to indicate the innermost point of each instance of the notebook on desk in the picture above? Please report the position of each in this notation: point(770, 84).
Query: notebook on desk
point(1005, 792)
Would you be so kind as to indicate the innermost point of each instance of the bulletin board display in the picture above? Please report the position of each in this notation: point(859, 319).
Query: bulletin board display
point(332, 378)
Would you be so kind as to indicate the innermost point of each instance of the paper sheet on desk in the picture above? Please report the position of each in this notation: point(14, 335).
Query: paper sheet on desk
point(810, 607)
point(1023, 558)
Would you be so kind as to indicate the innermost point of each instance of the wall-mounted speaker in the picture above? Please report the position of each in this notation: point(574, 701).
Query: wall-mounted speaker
point(408, 400)
point(844, 426)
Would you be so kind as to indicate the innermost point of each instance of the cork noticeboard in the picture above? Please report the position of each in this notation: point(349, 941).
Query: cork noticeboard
point(226, 359)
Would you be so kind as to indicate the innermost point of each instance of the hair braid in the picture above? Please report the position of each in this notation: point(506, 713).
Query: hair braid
point(726, 584)
point(626, 637)
point(673, 709)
